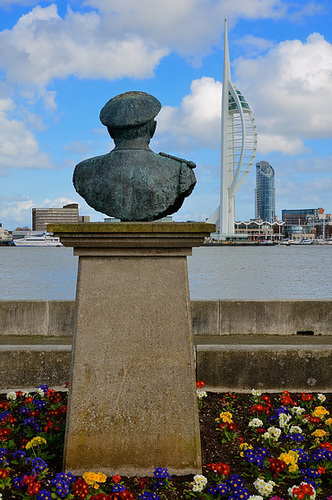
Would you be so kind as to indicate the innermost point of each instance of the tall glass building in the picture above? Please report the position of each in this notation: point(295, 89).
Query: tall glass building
point(265, 197)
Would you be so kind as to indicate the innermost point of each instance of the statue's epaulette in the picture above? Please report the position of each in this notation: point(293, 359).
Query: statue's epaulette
point(190, 164)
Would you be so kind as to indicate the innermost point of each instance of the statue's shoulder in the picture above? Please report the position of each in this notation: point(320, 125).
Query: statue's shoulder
point(92, 162)
point(190, 164)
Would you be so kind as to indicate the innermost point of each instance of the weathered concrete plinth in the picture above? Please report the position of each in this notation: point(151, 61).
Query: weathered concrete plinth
point(132, 403)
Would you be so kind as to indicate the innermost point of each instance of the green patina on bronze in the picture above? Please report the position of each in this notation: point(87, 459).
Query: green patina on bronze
point(132, 227)
point(132, 183)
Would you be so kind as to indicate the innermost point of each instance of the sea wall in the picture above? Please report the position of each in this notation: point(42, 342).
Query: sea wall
point(239, 345)
point(209, 318)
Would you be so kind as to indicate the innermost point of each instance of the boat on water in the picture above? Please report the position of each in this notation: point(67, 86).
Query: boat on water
point(43, 240)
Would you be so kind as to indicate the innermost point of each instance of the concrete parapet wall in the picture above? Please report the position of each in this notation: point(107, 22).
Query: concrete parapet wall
point(262, 317)
point(274, 367)
point(55, 318)
point(37, 318)
point(24, 366)
point(240, 345)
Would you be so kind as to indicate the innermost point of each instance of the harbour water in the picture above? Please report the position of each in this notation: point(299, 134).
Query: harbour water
point(276, 272)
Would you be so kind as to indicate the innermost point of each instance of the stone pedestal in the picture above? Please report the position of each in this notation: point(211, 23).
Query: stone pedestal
point(132, 401)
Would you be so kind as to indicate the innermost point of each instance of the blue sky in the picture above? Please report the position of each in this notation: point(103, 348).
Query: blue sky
point(60, 62)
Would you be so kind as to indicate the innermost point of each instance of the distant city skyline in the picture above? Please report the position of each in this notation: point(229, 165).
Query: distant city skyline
point(60, 62)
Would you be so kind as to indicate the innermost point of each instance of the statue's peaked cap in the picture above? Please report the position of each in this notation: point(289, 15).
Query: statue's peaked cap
point(129, 109)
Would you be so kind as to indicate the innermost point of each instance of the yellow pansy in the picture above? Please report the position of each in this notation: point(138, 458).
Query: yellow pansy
point(226, 417)
point(93, 478)
point(319, 433)
point(290, 459)
point(36, 441)
point(320, 412)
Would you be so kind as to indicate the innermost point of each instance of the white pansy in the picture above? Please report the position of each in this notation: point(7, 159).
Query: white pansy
point(264, 488)
point(321, 398)
point(40, 392)
point(201, 394)
point(297, 410)
point(284, 419)
point(274, 433)
point(11, 395)
point(255, 422)
point(295, 429)
point(256, 393)
point(199, 483)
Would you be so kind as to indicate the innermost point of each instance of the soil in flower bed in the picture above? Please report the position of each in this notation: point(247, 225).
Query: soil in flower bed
point(222, 441)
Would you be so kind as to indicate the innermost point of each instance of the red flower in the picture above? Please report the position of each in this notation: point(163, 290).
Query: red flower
point(200, 384)
point(259, 408)
point(49, 425)
point(220, 468)
point(33, 488)
point(307, 489)
point(28, 480)
point(116, 478)
point(4, 405)
point(81, 488)
point(34, 413)
point(126, 495)
point(277, 466)
point(326, 445)
point(286, 399)
point(143, 483)
point(314, 420)
point(99, 496)
point(321, 470)
point(306, 397)
point(28, 399)
point(4, 473)
point(5, 433)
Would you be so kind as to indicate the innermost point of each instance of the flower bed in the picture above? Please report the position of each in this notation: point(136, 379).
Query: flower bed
point(254, 446)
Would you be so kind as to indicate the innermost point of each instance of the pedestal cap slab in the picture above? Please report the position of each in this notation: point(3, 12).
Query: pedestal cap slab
point(132, 238)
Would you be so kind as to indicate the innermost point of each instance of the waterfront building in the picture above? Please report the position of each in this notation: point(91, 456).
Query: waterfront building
point(300, 223)
point(265, 200)
point(238, 148)
point(299, 216)
point(68, 214)
point(260, 230)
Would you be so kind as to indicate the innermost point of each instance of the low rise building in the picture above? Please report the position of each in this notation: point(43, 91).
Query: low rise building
point(68, 214)
point(259, 230)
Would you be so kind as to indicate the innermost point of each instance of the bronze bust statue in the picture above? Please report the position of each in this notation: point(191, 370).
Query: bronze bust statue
point(132, 182)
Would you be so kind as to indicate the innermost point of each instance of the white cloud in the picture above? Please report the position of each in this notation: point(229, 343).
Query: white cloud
point(290, 91)
point(43, 46)
point(253, 45)
point(122, 38)
point(18, 211)
point(196, 122)
point(18, 146)
point(268, 143)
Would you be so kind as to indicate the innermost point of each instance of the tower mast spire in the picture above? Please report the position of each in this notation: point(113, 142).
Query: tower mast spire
point(238, 148)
